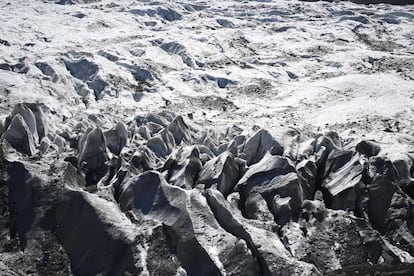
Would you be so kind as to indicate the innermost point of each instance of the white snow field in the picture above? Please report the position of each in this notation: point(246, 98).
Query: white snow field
point(309, 65)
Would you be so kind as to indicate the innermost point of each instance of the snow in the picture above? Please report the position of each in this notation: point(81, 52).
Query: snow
point(314, 66)
point(284, 65)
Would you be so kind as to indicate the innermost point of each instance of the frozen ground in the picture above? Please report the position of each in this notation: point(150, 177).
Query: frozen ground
point(296, 69)
point(312, 66)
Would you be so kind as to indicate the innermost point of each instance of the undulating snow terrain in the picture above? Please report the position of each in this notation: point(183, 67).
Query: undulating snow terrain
point(206, 138)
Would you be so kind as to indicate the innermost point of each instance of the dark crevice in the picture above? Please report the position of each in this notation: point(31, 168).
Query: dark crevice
point(238, 231)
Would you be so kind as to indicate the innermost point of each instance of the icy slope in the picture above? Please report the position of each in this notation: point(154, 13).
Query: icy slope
point(206, 137)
